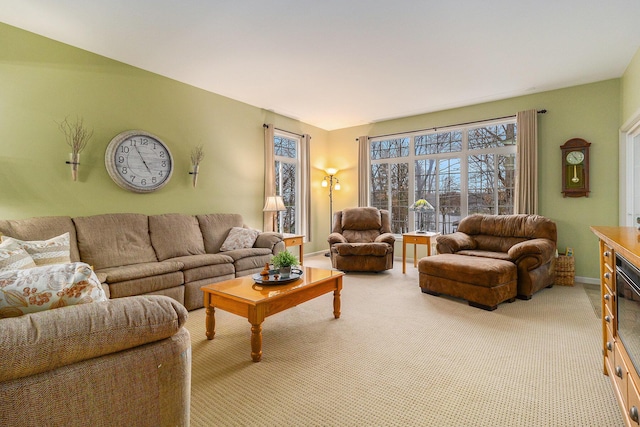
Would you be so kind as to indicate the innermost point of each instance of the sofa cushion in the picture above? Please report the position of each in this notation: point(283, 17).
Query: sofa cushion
point(196, 261)
point(164, 284)
point(495, 243)
point(239, 238)
point(519, 225)
point(215, 228)
point(248, 253)
point(113, 240)
point(13, 257)
point(361, 219)
point(42, 228)
point(48, 287)
point(44, 252)
point(486, 254)
point(362, 249)
point(139, 271)
point(361, 236)
point(174, 235)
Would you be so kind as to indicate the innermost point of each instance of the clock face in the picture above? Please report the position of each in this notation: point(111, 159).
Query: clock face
point(575, 157)
point(138, 161)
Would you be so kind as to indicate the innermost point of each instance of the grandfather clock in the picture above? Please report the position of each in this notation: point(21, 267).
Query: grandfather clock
point(575, 168)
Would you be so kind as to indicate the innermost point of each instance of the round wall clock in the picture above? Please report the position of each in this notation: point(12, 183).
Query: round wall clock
point(138, 161)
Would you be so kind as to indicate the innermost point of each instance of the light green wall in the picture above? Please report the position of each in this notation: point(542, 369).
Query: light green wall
point(631, 89)
point(589, 111)
point(43, 81)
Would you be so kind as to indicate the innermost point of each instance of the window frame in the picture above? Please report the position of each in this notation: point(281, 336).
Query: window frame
point(463, 156)
point(297, 162)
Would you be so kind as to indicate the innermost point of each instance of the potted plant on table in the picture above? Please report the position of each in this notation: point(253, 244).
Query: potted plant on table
point(283, 261)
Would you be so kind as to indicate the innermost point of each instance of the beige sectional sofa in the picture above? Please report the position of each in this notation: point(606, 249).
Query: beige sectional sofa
point(119, 362)
point(168, 254)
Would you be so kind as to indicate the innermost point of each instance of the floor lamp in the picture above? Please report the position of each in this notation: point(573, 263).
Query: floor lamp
point(332, 182)
point(274, 204)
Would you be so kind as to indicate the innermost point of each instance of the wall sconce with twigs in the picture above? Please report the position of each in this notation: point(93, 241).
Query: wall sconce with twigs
point(77, 136)
point(197, 154)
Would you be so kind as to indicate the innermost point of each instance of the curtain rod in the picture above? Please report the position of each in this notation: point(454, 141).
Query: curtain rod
point(448, 126)
point(264, 125)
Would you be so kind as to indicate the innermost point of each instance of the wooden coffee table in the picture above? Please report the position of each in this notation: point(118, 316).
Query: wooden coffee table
point(244, 297)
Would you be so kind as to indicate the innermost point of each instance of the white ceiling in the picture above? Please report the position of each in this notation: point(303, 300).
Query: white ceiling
point(340, 63)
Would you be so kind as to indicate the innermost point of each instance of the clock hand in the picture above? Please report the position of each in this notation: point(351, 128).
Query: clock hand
point(145, 163)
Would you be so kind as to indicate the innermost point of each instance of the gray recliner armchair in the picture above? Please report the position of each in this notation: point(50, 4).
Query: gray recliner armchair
point(361, 240)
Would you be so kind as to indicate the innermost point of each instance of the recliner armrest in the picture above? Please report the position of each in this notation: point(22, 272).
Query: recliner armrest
point(542, 250)
point(267, 239)
point(336, 238)
point(386, 238)
point(46, 340)
point(454, 242)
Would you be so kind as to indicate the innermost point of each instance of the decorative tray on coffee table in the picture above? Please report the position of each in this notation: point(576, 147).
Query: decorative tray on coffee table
point(296, 273)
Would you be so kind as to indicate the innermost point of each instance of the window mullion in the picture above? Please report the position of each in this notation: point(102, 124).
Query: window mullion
point(464, 176)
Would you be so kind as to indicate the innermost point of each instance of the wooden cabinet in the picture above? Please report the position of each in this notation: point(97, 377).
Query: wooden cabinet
point(624, 241)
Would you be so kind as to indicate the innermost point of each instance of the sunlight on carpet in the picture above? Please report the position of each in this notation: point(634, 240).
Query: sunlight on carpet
point(399, 357)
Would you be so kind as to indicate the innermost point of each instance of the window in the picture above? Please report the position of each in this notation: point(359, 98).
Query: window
point(459, 172)
point(287, 174)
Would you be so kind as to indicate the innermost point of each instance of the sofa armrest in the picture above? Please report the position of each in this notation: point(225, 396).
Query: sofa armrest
point(46, 340)
point(268, 239)
point(454, 242)
point(539, 251)
point(386, 238)
point(336, 238)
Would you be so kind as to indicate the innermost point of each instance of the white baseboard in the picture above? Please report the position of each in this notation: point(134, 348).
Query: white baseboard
point(588, 280)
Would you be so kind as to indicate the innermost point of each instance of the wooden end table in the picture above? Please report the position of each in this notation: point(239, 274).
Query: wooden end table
point(294, 240)
point(244, 297)
point(415, 238)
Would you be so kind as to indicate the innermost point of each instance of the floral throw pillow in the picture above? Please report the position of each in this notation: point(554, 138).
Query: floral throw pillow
point(56, 250)
point(13, 257)
point(239, 238)
point(47, 287)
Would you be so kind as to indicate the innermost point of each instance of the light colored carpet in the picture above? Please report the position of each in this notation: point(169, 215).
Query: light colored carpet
point(398, 357)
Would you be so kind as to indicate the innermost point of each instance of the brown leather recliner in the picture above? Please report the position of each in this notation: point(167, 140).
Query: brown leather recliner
point(361, 240)
point(529, 241)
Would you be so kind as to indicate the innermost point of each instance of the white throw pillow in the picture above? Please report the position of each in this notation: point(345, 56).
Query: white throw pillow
point(48, 287)
point(13, 257)
point(44, 252)
point(239, 238)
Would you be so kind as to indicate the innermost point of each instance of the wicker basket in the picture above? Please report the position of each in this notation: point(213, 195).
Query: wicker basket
point(565, 270)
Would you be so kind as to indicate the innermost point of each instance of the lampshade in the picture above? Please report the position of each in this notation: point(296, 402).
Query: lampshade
point(331, 171)
point(421, 205)
point(274, 204)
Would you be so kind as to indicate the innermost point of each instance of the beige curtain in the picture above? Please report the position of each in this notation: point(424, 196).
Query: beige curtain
point(269, 175)
point(305, 187)
point(363, 171)
point(526, 197)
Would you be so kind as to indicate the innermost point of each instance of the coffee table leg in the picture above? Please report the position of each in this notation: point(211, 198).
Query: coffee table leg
point(256, 342)
point(336, 303)
point(210, 322)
